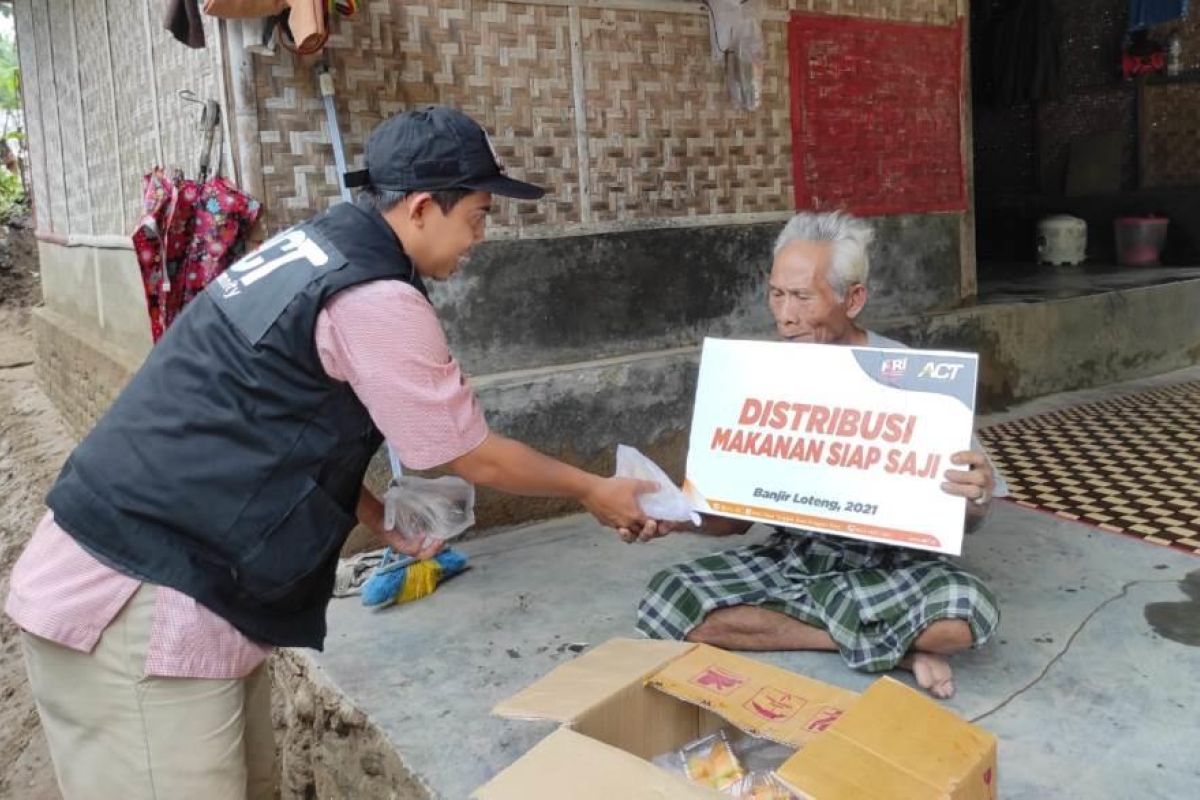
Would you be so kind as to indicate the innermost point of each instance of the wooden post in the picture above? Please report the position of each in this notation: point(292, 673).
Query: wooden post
point(969, 280)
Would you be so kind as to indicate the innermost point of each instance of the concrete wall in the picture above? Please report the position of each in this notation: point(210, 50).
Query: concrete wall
point(1032, 349)
point(92, 330)
point(100, 290)
point(533, 303)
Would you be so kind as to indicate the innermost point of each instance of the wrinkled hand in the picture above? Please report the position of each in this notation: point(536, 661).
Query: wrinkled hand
point(653, 529)
point(418, 546)
point(614, 502)
point(976, 482)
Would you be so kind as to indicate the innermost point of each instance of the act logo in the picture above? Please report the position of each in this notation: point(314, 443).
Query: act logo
point(940, 371)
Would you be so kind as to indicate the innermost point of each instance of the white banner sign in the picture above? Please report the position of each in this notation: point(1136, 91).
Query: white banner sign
point(852, 441)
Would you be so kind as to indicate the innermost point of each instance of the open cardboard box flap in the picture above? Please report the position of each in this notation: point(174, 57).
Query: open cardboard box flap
point(896, 744)
point(578, 685)
point(628, 701)
point(570, 765)
point(760, 699)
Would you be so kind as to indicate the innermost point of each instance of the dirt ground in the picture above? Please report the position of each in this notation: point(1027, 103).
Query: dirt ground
point(33, 444)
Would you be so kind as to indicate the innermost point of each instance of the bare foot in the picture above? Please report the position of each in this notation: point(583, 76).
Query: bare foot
point(932, 672)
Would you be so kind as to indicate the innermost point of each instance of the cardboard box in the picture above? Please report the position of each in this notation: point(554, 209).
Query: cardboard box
point(628, 701)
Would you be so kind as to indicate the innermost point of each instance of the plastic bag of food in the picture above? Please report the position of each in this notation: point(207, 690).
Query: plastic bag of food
point(439, 508)
point(669, 503)
point(760, 786)
point(710, 762)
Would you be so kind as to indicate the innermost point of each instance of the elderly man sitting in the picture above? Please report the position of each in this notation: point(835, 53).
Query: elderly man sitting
point(879, 606)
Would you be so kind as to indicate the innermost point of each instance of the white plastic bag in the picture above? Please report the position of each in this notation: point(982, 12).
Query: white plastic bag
point(669, 503)
point(440, 508)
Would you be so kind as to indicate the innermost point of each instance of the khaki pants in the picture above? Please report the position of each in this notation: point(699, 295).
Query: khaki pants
point(116, 734)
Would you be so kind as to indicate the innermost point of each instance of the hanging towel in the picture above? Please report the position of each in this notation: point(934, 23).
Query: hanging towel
point(243, 9)
point(305, 21)
point(304, 24)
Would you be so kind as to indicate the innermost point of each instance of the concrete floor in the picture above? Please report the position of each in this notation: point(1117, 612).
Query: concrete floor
point(1036, 283)
point(1087, 699)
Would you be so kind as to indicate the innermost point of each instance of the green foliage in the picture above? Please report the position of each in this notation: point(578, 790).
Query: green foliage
point(12, 191)
point(12, 196)
point(10, 76)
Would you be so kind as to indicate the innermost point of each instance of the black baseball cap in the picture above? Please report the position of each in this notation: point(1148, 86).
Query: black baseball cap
point(435, 148)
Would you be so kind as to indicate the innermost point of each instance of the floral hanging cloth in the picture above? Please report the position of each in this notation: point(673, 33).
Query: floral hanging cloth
point(188, 234)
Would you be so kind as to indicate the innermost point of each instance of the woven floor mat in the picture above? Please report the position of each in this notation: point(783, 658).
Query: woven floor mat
point(1129, 465)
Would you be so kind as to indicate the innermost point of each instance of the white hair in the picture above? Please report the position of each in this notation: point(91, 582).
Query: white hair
point(850, 237)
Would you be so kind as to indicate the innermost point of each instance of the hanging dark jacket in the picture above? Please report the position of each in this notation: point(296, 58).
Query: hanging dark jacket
point(184, 22)
point(230, 466)
point(1026, 62)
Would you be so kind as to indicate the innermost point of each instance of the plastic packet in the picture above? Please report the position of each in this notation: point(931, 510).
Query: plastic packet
point(439, 508)
point(760, 755)
point(669, 503)
point(756, 757)
point(710, 762)
point(760, 786)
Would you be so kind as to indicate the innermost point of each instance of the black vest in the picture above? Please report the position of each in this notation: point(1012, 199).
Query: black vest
point(230, 466)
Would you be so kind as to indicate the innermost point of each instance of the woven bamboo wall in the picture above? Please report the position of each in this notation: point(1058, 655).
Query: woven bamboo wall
point(657, 138)
point(105, 193)
point(504, 63)
point(136, 109)
point(1171, 115)
point(1171, 135)
point(177, 67)
point(25, 25)
point(52, 142)
point(1189, 36)
point(658, 135)
point(101, 108)
point(662, 137)
point(70, 120)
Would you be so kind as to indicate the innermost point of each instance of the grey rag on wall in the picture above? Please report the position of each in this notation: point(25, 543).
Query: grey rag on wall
point(736, 35)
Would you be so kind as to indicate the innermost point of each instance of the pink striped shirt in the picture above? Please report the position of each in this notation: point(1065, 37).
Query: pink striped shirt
point(384, 339)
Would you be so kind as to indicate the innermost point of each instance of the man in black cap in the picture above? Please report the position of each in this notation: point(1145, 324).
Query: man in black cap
point(199, 523)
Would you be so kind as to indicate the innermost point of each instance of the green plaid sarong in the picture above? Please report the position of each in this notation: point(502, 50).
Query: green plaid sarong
point(874, 600)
